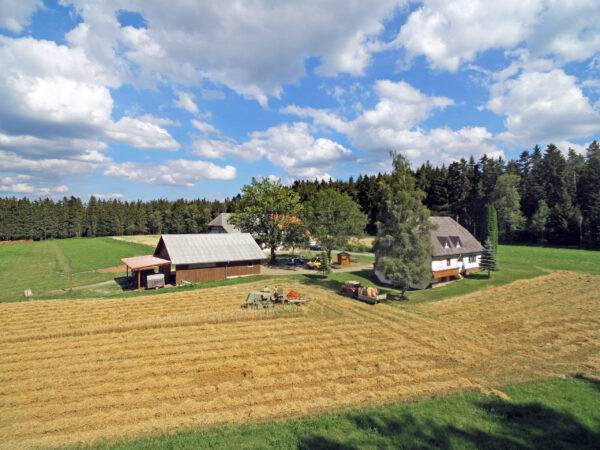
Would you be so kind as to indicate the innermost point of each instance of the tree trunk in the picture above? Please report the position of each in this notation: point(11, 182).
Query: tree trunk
point(273, 256)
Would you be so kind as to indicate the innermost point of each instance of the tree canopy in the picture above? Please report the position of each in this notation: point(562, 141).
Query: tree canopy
point(266, 209)
point(332, 218)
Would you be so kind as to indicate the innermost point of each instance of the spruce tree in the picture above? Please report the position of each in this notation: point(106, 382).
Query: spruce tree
point(490, 226)
point(488, 258)
point(325, 264)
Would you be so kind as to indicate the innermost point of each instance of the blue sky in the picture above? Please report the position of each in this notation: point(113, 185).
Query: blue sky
point(139, 99)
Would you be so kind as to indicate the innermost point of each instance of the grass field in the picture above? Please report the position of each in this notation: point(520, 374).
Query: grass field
point(560, 413)
point(43, 266)
point(77, 371)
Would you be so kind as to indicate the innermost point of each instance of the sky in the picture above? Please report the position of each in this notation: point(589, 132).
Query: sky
point(147, 99)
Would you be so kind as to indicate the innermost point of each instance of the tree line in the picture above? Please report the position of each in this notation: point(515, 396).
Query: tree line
point(70, 217)
point(541, 197)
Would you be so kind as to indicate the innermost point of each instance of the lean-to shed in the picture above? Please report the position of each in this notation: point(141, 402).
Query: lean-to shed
point(210, 257)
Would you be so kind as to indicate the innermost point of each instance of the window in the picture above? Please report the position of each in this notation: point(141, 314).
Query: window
point(448, 261)
point(250, 264)
point(460, 259)
point(472, 259)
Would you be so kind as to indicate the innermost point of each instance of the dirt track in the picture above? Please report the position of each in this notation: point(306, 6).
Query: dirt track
point(81, 370)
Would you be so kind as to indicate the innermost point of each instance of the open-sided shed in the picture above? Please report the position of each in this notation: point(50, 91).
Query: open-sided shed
point(138, 263)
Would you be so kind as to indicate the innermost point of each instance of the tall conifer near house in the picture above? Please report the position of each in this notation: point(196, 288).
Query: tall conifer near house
point(488, 258)
point(403, 245)
point(490, 226)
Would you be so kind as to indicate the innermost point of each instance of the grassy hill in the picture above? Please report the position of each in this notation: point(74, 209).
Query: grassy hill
point(43, 266)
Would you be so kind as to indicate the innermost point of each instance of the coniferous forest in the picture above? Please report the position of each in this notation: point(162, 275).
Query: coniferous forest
point(543, 197)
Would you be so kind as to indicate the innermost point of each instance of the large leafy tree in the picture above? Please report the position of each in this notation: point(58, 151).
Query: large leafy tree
point(403, 245)
point(266, 209)
point(539, 220)
point(332, 218)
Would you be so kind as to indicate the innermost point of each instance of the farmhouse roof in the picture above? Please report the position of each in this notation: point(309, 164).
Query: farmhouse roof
point(450, 238)
point(210, 248)
point(222, 220)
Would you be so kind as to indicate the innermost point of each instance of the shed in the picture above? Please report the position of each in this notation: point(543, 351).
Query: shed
point(137, 264)
point(343, 258)
point(210, 257)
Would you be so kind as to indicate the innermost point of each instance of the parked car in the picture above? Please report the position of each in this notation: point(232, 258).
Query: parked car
point(316, 247)
point(295, 261)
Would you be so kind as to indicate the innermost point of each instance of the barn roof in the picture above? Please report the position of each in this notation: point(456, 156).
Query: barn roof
point(450, 238)
point(143, 262)
point(222, 220)
point(210, 248)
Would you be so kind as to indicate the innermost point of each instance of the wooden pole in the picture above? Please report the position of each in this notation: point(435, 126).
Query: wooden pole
point(139, 285)
point(70, 276)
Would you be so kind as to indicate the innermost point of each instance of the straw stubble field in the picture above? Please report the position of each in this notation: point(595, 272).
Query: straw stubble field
point(81, 370)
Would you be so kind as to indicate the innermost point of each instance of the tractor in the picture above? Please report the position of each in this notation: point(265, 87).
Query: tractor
point(369, 295)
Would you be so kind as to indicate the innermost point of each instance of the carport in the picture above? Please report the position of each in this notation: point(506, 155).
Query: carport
point(137, 263)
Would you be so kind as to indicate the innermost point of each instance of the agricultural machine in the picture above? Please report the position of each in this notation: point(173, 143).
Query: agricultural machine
point(270, 298)
point(370, 295)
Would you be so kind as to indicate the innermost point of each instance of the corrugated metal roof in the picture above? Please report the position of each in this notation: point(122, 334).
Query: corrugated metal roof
point(222, 220)
point(211, 247)
point(450, 238)
point(142, 262)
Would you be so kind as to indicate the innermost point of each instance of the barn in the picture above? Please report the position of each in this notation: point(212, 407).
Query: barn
point(210, 257)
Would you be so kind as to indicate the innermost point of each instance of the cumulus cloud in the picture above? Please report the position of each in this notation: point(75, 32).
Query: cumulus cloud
point(16, 14)
point(185, 101)
point(391, 125)
point(52, 168)
point(291, 147)
point(140, 134)
point(543, 107)
point(204, 127)
point(449, 34)
point(252, 48)
point(179, 172)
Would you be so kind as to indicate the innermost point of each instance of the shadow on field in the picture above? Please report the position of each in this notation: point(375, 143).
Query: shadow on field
point(505, 425)
point(125, 283)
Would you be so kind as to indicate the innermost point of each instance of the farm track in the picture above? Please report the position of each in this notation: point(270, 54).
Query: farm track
point(77, 371)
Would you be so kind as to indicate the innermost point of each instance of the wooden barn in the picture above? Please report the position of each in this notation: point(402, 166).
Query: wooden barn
point(210, 257)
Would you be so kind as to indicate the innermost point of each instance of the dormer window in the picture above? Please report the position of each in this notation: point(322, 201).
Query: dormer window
point(446, 245)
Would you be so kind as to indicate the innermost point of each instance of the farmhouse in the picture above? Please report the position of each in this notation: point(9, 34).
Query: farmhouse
point(456, 252)
point(210, 257)
point(220, 224)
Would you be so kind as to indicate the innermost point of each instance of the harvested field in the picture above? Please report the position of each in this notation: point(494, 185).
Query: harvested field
point(80, 370)
point(145, 239)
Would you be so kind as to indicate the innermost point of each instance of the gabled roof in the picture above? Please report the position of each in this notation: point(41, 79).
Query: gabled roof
point(222, 220)
point(210, 248)
point(450, 238)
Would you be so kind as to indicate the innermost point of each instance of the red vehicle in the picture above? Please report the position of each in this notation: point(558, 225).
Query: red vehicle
point(350, 288)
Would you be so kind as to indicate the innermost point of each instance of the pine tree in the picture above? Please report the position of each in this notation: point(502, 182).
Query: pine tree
point(490, 226)
point(325, 264)
point(488, 258)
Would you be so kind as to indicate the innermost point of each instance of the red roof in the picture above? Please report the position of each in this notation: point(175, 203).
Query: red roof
point(142, 262)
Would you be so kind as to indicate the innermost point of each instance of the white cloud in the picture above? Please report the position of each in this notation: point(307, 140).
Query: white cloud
point(178, 172)
point(186, 101)
point(113, 196)
point(450, 33)
point(140, 134)
point(291, 147)
point(543, 107)
point(31, 190)
point(204, 127)
point(52, 168)
point(390, 125)
point(252, 48)
point(160, 121)
point(16, 14)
